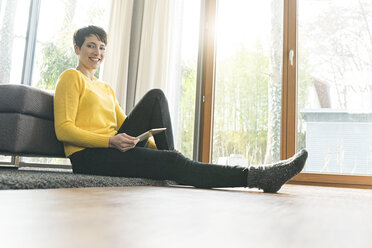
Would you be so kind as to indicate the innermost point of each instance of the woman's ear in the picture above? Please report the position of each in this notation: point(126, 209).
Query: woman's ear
point(77, 49)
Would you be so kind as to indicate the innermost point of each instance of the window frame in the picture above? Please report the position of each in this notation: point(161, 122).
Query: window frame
point(205, 96)
point(31, 35)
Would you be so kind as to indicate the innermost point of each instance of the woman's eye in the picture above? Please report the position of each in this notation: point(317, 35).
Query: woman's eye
point(103, 48)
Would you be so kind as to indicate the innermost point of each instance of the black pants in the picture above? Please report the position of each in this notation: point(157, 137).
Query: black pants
point(162, 164)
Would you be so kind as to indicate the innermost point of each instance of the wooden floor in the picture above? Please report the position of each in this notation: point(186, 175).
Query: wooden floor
point(298, 216)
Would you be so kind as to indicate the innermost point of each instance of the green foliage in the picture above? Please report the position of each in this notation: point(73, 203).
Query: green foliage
point(186, 114)
point(55, 60)
point(58, 55)
point(241, 106)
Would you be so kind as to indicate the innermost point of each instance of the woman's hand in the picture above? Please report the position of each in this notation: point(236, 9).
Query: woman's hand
point(123, 142)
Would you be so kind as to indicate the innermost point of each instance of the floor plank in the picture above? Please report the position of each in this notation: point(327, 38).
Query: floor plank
point(299, 216)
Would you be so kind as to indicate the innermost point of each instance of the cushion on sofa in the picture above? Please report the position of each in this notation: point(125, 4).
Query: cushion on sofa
point(24, 99)
point(27, 135)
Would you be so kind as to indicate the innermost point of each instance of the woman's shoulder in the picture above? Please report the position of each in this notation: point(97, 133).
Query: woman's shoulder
point(70, 73)
point(70, 78)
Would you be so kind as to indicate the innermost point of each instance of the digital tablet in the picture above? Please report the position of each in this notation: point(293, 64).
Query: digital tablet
point(150, 133)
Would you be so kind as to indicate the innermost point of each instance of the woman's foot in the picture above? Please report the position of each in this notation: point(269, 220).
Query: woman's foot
point(271, 177)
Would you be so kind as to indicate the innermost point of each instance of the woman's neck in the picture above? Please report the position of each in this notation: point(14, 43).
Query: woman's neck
point(86, 72)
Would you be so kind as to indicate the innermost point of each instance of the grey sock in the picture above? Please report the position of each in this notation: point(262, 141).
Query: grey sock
point(271, 177)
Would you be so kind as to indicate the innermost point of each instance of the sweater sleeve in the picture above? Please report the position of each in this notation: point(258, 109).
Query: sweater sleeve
point(66, 101)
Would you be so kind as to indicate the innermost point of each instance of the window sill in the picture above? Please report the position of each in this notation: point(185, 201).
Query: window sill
point(333, 180)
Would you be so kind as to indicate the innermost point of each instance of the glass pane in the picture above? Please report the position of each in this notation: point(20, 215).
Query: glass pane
point(335, 85)
point(13, 29)
point(248, 82)
point(54, 48)
point(43, 160)
point(5, 159)
point(184, 97)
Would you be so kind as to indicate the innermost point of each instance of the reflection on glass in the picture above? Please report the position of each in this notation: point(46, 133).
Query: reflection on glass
point(247, 106)
point(335, 85)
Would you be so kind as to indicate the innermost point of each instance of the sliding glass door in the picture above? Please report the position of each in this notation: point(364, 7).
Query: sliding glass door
point(335, 85)
point(248, 75)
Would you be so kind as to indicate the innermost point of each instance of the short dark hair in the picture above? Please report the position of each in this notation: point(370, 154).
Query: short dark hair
point(82, 33)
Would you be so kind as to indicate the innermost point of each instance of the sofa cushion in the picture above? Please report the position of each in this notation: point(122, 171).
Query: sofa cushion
point(24, 99)
point(22, 134)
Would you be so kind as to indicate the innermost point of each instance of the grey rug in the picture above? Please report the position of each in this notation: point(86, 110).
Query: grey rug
point(44, 179)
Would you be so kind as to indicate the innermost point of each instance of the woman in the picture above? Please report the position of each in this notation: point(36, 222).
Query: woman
point(100, 139)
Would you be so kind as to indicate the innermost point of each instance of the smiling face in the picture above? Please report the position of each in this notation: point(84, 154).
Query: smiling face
point(91, 53)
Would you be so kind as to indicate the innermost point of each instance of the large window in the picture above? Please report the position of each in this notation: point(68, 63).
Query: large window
point(247, 108)
point(318, 54)
point(335, 85)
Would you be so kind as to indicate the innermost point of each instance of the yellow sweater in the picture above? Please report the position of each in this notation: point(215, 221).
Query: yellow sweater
point(86, 112)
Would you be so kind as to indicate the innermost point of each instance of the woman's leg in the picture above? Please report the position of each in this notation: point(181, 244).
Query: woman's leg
point(170, 165)
point(151, 111)
point(157, 164)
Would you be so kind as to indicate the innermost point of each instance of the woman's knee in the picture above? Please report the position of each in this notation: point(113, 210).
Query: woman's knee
point(157, 93)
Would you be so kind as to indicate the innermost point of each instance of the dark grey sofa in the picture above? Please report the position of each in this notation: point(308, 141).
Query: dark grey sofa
point(26, 122)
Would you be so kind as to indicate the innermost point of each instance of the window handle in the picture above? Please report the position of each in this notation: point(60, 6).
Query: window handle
point(291, 55)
